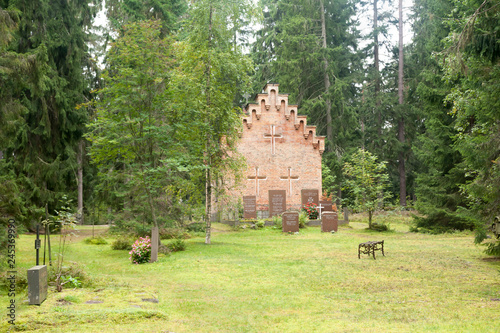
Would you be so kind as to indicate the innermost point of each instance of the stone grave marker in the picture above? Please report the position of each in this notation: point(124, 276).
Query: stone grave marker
point(329, 222)
point(277, 202)
point(37, 284)
point(310, 196)
point(290, 222)
point(327, 205)
point(249, 207)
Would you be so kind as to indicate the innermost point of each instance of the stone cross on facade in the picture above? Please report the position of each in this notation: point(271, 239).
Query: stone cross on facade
point(257, 178)
point(289, 177)
point(273, 136)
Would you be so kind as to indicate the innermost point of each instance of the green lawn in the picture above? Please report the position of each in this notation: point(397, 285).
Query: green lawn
point(266, 281)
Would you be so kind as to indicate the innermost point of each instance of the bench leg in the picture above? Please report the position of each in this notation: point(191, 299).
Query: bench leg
point(373, 251)
point(359, 252)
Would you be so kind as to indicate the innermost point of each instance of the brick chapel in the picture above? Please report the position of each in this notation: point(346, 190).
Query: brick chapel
point(282, 152)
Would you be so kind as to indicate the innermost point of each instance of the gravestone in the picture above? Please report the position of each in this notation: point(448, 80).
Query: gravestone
point(327, 206)
point(309, 196)
point(37, 284)
point(346, 217)
point(249, 207)
point(290, 222)
point(277, 202)
point(329, 222)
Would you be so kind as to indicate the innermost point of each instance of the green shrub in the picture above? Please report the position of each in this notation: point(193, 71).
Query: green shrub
point(196, 227)
point(260, 224)
point(177, 245)
point(95, 241)
point(380, 227)
point(277, 222)
point(441, 222)
point(171, 233)
point(137, 229)
point(162, 248)
point(492, 248)
point(303, 219)
point(72, 282)
point(122, 244)
point(21, 280)
point(71, 270)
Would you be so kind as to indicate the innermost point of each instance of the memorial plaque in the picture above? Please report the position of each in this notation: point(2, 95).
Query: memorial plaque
point(329, 222)
point(249, 207)
point(327, 206)
point(277, 202)
point(37, 284)
point(290, 222)
point(310, 196)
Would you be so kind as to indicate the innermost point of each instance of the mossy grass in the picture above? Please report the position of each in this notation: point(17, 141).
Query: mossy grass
point(267, 281)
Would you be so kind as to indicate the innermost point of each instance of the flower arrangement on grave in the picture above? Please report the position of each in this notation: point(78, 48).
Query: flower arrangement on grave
point(141, 251)
point(311, 209)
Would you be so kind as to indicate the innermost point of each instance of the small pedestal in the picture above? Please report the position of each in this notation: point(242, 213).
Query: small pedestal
point(37, 284)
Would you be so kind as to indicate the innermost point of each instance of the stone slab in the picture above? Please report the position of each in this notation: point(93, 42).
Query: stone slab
point(277, 202)
point(37, 284)
point(329, 222)
point(290, 222)
point(309, 195)
point(249, 207)
point(327, 206)
point(313, 223)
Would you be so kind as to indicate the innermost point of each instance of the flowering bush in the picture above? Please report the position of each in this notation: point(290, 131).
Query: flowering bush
point(311, 209)
point(141, 250)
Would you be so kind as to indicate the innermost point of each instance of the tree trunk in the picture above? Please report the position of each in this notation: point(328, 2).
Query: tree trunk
point(370, 215)
point(376, 64)
point(326, 78)
point(79, 160)
point(401, 122)
point(208, 185)
point(208, 208)
point(154, 230)
point(155, 240)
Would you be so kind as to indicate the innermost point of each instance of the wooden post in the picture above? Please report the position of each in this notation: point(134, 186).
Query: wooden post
point(37, 244)
point(154, 244)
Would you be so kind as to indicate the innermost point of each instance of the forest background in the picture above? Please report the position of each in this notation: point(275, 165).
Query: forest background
point(127, 120)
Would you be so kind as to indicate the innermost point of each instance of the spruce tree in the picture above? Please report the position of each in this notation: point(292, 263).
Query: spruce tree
point(440, 171)
point(472, 68)
point(52, 76)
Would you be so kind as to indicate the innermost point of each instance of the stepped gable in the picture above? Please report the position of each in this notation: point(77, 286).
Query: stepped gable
point(270, 99)
point(282, 152)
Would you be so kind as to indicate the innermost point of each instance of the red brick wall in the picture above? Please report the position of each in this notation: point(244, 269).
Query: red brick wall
point(296, 149)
